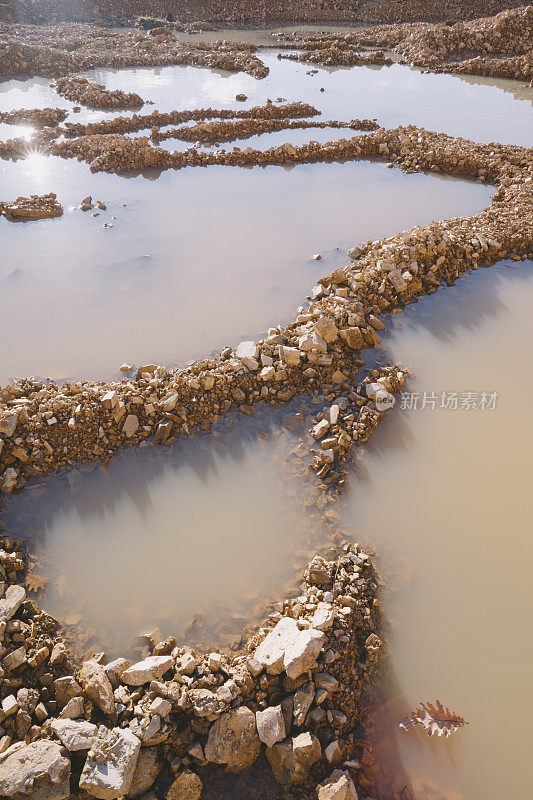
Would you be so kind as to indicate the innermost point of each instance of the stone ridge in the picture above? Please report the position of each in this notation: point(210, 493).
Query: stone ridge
point(295, 693)
point(45, 426)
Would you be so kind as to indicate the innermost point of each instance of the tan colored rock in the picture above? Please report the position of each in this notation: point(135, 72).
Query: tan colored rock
point(233, 740)
point(187, 786)
point(97, 686)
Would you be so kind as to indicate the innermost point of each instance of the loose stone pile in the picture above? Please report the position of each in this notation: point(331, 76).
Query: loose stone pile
point(36, 117)
point(69, 47)
point(34, 207)
point(114, 728)
point(218, 131)
point(500, 46)
point(80, 90)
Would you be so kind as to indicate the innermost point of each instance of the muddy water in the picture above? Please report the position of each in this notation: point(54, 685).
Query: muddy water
point(442, 496)
point(198, 259)
point(194, 260)
point(196, 538)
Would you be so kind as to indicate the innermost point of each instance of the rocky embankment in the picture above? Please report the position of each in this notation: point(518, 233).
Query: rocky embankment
point(92, 95)
point(114, 729)
point(58, 50)
point(500, 46)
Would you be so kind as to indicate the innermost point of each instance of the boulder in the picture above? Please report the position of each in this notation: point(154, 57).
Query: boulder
point(292, 759)
point(150, 669)
point(131, 424)
point(39, 771)
point(74, 734)
point(97, 686)
point(270, 725)
point(110, 765)
point(8, 422)
point(353, 338)
point(339, 786)
point(312, 343)
point(233, 740)
point(288, 648)
point(146, 771)
point(326, 329)
point(323, 617)
point(187, 786)
point(10, 603)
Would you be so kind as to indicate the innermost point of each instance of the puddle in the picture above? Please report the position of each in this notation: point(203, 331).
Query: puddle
point(441, 497)
point(195, 260)
point(196, 538)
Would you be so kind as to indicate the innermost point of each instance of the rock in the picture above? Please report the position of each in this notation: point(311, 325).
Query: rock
point(38, 771)
point(320, 429)
point(97, 686)
point(270, 725)
point(187, 786)
point(10, 604)
point(8, 480)
point(110, 765)
point(312, 343)
point(14, 659)
point(114, 670)
point(246, 352)
point(241, 97)
point(292, 759)
point(339, 786)
point(288, 648)
point(333, 752)
point(73, 709)
point(323, 617)
point(150, 669)
point(146, 771)
point(233, 740)
point(131, 424)
point(75, 735)
point(353, 338)
point(214, 661)
point(303, 700)
point(8, 422)
point(66, 688)
point(290, 356)
point(317, 257)
point(326, 329)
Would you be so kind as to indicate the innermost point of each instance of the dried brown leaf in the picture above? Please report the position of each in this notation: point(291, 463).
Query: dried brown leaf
point(435, 719)
point(35, 583)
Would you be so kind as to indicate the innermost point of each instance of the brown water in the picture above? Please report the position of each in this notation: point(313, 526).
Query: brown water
point(198, 259)
point(208, 530)
point(442, 497)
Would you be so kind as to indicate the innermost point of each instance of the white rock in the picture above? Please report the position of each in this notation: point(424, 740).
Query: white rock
point(160, 706)
point(109, 400)
point(150, 669)
point(320, 429)
point(288, 648)
point(267, 373)
point(110, 765)
point(10, 604)
point(302, 652)
point(247, 350)
point(270, 725)
point(74, 734)
point(323, 617)
point(21, 765)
